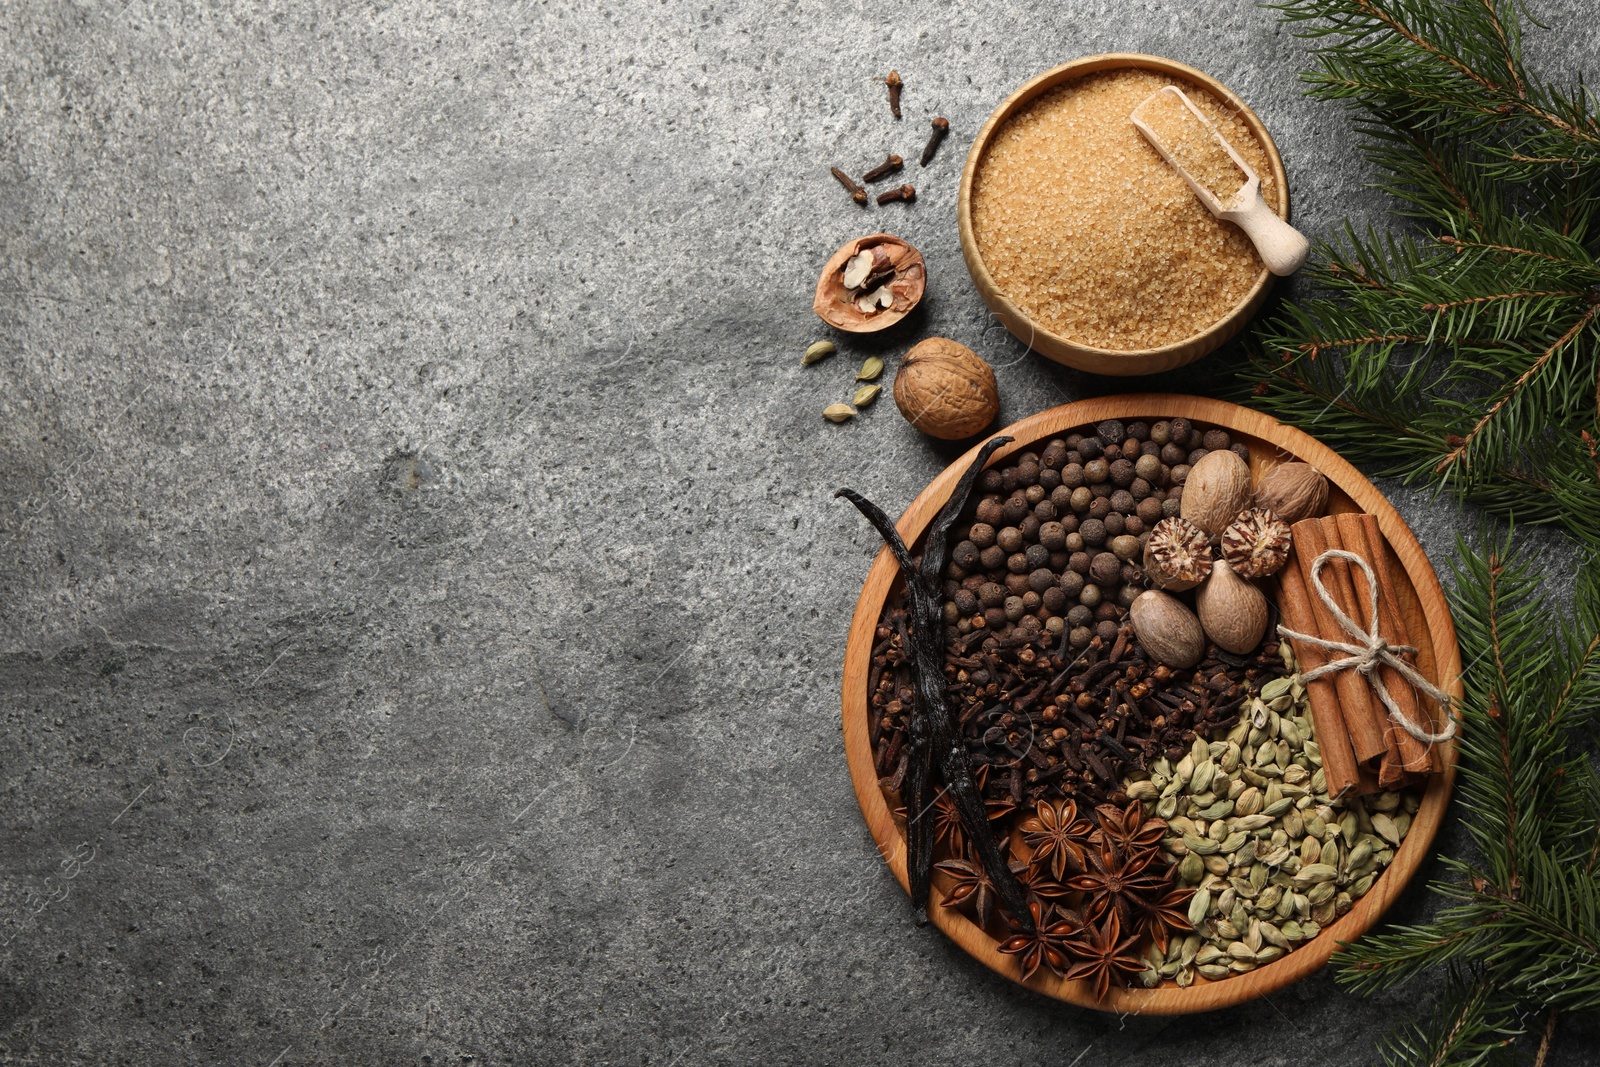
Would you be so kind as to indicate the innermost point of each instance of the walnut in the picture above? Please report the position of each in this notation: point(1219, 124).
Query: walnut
point(1257, 543)
point(944, 389)
point(1177, 555)
point(870, 284)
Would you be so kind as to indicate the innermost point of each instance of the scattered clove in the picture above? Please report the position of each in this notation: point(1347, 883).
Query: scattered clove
point(895, 85)
point(889, 196)
point(941, 130)
point(890, 165)
point(858, 194)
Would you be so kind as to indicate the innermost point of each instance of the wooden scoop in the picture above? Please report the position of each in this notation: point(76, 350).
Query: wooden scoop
point(1223, 181)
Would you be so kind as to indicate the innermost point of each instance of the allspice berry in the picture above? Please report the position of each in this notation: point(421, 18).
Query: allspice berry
point(945, 390)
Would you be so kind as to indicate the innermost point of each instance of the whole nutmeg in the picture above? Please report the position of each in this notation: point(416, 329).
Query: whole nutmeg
point(1169, 632)
point(945, 390)
point(1216, 490)
point(1232, 612)
point(1256, 544)
point(1293, 491)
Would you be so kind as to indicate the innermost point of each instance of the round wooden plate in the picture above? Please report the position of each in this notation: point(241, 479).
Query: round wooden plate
point(1421, 602)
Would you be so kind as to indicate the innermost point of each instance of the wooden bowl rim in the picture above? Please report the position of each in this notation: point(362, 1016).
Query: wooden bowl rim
point(1225, 327)
point(1203, 995)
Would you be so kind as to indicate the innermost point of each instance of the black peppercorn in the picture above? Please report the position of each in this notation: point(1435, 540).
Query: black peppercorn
point(1180, 474)
point(1008, 479)
point(1074, 439)
point(1016, 584)
point(1027, 473)
point(989, 511)
point(1082, 497)
point(1148, 468)
point(1241, 450)
point(1103, 489)
point(1014, 508)
point(1078, 615)
point(1058, 561)
point(1106, 630)
point(1074, 542)
point(1013, 608)
point(1171, 507)
point(1030, 528)
point(1031, 602)
point(989, 482)
point(1139, 490)
point(1055, 454)
point(1061, 497)
point(1034, 493)
point(1132, 573)
point(994, 618)
point(1134, 525)
point(1089, 595)
point(1069, 522)
point(1122, 473)
point(1150, 448)
point(1080, 636)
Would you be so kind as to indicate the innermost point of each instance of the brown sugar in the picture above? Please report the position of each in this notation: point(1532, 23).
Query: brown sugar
point(1094, 236)
point(1192, 145)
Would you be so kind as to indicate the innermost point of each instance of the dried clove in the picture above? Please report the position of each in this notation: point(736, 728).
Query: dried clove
point(890, 165)
point(858, 194)
point(905, 192)
point(895, 85)
point(941, 130)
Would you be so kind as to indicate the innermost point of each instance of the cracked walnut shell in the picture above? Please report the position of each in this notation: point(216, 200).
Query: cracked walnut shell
point(1257, 543)
point(945, 389)
point(866, 293)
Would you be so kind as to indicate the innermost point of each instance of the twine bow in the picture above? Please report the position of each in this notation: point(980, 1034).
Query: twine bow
point(1371, 653)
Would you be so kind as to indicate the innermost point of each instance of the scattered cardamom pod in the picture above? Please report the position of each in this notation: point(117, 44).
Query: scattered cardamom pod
point(870, 370)
point(838, 412)
point(866, 395)
point(817, 352)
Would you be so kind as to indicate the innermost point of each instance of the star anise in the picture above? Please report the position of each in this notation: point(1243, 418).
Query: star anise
point(1047, 944)
point(1128, 829)
point(1104, 955)
point(1159, 915)
point(1117, 881)
point(947, 825)
point(972, 888)
point(1038, 882)
point(1056, 834)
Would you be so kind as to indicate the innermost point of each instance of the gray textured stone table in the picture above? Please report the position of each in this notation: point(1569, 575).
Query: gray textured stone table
point(421, 603)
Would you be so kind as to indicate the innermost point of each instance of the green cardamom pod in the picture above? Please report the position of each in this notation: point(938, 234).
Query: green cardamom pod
point(870, 370)
point(866, 395)
point(818, 351)
point(838, 412)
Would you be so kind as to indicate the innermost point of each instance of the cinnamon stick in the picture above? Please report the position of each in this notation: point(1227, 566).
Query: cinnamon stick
point(1338, 760)
point(1312, 537)
point(1416, 756)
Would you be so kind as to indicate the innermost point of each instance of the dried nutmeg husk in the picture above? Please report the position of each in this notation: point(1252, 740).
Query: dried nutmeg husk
point(1232, 612)
point(1177, 555)
point(944, 389)
point(1217, 489)
point(1257, 543)
point(870, 284)
point(1168, 631)
point(1294, 491)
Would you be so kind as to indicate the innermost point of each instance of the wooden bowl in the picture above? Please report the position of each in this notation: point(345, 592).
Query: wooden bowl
point(1073, 353)
point(1421, 602)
